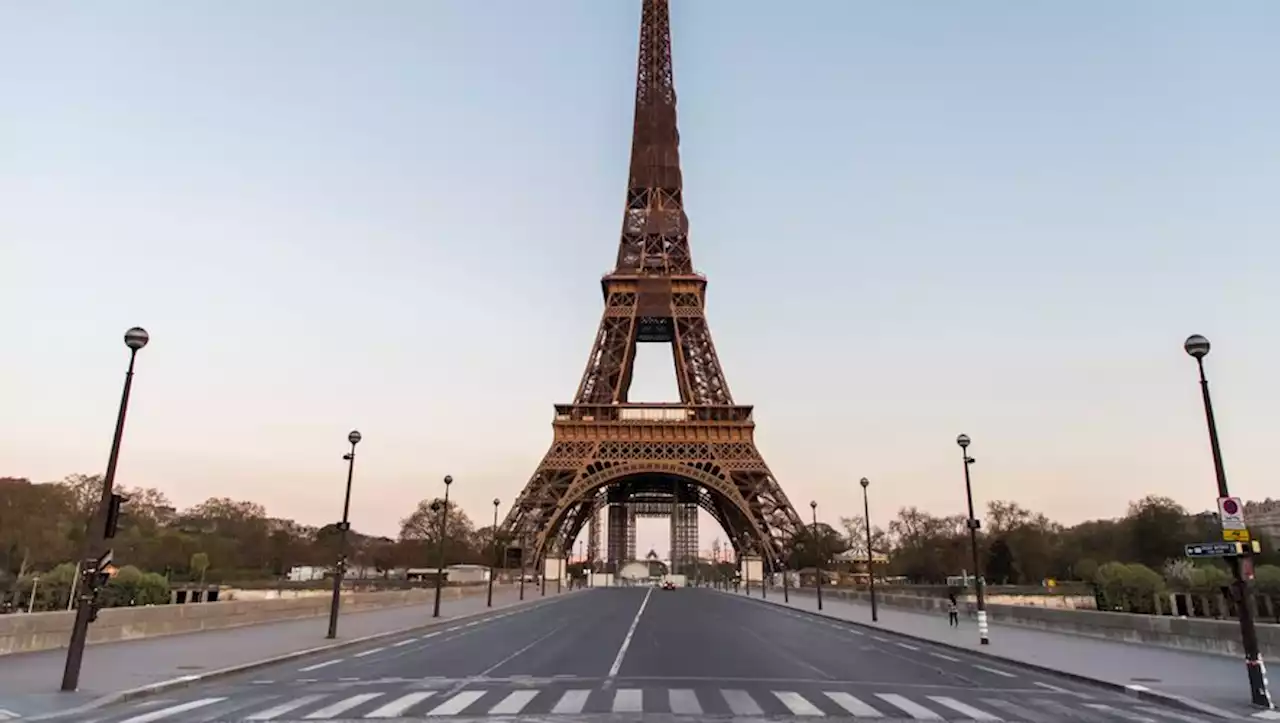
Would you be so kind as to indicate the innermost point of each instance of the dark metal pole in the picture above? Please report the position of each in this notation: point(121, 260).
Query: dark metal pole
point(973, 524)
point(95, 543)
point(341, 569)
point(444, 529)
point(494, 551)
point(1258, 688)
point(871, 572)
point(814, 506)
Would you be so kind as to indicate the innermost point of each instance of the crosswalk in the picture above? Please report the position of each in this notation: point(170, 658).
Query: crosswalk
point(430, 704)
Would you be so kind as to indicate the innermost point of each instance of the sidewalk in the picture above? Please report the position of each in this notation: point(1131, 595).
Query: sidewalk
point(1219, 681)
point(29, 681)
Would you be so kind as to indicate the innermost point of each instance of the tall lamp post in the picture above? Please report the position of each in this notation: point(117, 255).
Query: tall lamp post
point(813, 505)
point(1198, 347)
point(341, 569)
point(973, 524)
point(100, 529)
point(444, 529)
point(494, 558)
point(871, 572)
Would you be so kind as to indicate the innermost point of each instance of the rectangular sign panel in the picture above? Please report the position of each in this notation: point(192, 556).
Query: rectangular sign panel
point(1214, 549)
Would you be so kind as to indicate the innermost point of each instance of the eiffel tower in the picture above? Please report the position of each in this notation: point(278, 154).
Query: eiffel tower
point(645, 460)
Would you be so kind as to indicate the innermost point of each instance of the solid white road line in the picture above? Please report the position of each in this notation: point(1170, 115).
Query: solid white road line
point(318, 666)
point(684, 702)
point(397, 707)
point(911, 708)
point(854, 706)
point(572, 702)
point(797, 704)
point(964, 709)
point(741, 703)
point(336, 709)
point(626, 642)
point(163, 713)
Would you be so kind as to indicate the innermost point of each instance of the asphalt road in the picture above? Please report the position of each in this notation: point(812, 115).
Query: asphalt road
point(642, 654)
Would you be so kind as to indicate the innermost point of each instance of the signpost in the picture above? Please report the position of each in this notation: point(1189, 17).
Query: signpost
point(1214, 549)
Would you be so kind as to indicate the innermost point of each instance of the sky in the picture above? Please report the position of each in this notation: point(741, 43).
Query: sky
point(918, 219)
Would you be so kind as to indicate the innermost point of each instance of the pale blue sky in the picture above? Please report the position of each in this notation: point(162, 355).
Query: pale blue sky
point(918, 219)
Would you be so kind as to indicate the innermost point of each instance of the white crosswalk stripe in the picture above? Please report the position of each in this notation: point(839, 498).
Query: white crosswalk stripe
point(906, 705)
point(571, 702)
point(551, 699)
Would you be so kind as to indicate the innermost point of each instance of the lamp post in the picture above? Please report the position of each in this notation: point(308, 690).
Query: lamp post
point(494, 557)
point(871, 573)
point(1198, 347)
point(444, 529)
point(100, 529)
point(973, 524)
point(813, 505)
point(341, 569)
point(524, 565)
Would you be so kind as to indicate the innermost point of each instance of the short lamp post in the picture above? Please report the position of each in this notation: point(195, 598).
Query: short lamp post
point(444, 530)
point(340, 570)
point(1198, 347)
point(871, 572)
point(973, 524)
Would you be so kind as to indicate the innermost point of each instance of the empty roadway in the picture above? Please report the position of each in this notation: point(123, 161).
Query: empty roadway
point(642, 652)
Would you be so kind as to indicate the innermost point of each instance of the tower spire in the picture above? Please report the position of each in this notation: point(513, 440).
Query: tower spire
point(654, 228)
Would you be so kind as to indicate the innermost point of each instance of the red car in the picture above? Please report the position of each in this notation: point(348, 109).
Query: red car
point(668, 585)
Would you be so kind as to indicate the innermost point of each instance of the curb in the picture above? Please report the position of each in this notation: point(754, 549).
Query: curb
point(188, 680)
point(1137, 691)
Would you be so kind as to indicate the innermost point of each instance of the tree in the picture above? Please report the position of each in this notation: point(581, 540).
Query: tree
point(1158, 528)
point(199, 565)
point(1000, 568)
point(422, 528)
point(855, 534)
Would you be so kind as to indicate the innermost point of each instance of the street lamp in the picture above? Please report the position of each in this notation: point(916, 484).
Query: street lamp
point(871, 572)
point(340, 571)
point(1198, 347)
point(97, 555)
point(813, 505)
point(444, 529)
point(494, 551)
point(973, 525)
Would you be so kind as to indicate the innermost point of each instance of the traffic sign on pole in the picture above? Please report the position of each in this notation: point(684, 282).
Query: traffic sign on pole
point(1231, 513)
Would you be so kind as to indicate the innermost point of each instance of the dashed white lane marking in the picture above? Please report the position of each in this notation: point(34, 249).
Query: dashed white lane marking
point(1169, 714)
point(403, 643)
point(342, 706)
point(1267, 715)
point(369, 652)
point(911, 708)
point(883, 640)
point(397, 707)
point(908, 647)
point(797, 704)
point(945, 657)
point(156, 715)
point(626, 642)
point(967, 711)
point(1121, 713)
point(473, 623)
point(996, 671)
point(429, 635)
point(318, 666)
point(1050, 687)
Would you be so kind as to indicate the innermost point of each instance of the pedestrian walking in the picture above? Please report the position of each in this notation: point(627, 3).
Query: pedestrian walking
point(953, 611)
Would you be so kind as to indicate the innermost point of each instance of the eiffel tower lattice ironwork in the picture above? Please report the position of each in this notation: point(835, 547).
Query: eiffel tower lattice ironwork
point(649, 458)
